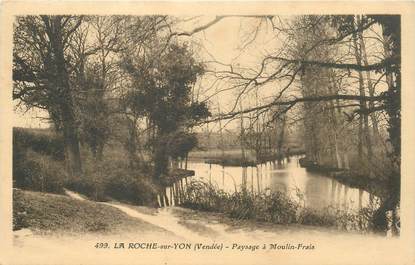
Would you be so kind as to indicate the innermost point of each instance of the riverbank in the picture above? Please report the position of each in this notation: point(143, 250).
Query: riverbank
point(374, 186)
point(47, 214)
point(235, 158)
point(351, 178)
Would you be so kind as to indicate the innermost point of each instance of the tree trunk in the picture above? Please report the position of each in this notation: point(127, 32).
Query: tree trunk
point(391, 35)
point(333, 116)
point(242, 135)
point(363, 118)
point(221, 139)
point(61, 80)
point(161, 159)
point(72, 151)
point(280, 140)
point(371, 89)
point(131, 144)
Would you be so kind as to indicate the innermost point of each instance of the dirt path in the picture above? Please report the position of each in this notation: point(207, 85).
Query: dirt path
point(74, 195)
point(161, 218)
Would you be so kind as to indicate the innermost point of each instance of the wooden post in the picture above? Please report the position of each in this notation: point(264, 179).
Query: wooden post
point(158, 200)
point(173, 194)
point(168, 201)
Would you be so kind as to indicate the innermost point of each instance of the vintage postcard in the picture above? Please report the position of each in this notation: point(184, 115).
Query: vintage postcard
point(207, 132)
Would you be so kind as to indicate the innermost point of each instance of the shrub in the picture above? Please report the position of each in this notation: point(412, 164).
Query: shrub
point(318, 218)
point(37, 161)
point(41, 142)
point(114, 179)
point(39, 172)
point(130, 188)
point(274, 207)
point(91, 183)
point(205, 197)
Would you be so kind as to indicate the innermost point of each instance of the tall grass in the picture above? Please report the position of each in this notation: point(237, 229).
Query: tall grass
point(275, 207)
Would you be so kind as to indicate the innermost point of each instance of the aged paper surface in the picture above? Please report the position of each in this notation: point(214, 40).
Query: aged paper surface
point(327, 249)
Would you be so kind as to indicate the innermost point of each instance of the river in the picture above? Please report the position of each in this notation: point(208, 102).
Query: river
point(312, 189)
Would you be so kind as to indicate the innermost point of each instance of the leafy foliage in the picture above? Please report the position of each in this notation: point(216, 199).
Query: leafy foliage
point(41, 142)
point(38, 172)
point(115, 180)
point(94, 114)
point(161, 91)
point(179, 144)
point(37, 161)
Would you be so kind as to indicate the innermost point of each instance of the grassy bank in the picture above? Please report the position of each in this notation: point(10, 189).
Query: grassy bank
point(46, 213)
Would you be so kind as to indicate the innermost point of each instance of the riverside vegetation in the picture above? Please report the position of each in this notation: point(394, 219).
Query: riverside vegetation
point(273, 207)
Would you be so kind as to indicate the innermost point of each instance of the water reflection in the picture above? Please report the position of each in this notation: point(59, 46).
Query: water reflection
point(312, 189)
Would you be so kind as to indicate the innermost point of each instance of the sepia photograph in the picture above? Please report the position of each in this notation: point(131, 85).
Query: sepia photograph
point(251, 134)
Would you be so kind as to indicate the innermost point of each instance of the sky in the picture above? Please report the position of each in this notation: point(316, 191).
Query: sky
point(30, 119)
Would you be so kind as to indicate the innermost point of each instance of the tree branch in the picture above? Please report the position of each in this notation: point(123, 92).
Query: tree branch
point(349, 66)
point(291, 103)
